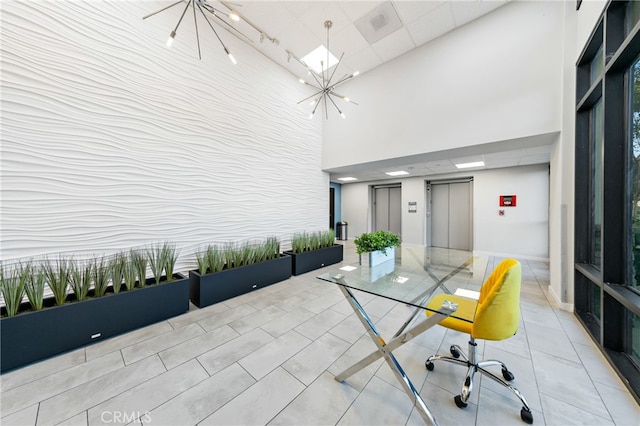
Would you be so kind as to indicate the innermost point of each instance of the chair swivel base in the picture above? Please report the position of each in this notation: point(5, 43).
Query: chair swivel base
point(472, 368)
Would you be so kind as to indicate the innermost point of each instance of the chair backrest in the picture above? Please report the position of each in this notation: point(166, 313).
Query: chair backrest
point(498, 312)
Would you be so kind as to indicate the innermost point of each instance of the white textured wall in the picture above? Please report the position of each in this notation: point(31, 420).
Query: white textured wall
point(110, 140)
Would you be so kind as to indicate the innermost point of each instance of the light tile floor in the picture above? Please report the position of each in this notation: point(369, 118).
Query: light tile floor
point(269, 357)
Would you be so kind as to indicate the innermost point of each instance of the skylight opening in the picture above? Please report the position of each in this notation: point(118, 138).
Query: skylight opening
point(317, 59)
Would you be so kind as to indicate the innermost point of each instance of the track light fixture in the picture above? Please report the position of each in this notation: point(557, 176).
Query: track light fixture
point(323, 82)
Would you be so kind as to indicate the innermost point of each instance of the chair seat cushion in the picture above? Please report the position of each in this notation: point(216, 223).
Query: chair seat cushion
point(466, 310)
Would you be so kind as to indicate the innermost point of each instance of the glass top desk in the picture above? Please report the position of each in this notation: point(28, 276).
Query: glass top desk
point(416, 275)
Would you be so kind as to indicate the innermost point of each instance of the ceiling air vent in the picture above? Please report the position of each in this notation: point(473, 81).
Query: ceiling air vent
point(379, 23)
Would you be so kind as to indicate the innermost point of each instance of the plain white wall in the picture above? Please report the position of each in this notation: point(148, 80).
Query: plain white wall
point(110, 140)
point(496, 78)
point(523, 230)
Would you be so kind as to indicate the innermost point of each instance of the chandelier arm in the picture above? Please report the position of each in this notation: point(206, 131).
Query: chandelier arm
point(251, 24)
point(327, 25)
point(195, 22)
point(182, 16)
point(314, 75)
point(212, 10)
point(316, 106)
point(163, 9)
point(344, 98)
point(326, 107)
point(231, 27)
point(309, 97)
point(336, 68)
point(334, 104)
point(344, 78)
point(214, 30)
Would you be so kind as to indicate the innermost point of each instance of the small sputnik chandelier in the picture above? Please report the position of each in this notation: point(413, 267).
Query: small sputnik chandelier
point(202, 6)
point(324, 82)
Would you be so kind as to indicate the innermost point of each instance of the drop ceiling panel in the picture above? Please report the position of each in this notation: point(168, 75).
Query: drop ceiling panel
point(433, 25)
point(394, 45)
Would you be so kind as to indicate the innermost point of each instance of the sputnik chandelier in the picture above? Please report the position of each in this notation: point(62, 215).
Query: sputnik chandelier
point(202, 6)
point(323, 81)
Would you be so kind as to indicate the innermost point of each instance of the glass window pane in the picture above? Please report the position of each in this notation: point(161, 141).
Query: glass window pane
point(595, 301)
point(634, 197)
point(596, 67)
point(633, 15)
point(635, 338)
point(596, 186)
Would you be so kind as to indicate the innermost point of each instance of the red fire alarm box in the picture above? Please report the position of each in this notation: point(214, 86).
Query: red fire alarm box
point(507, 201)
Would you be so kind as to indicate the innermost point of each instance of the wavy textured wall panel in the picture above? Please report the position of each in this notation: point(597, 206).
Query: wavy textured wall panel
point(110, 140)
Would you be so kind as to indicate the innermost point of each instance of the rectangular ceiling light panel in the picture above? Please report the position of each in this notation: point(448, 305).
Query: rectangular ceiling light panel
point(470, 165)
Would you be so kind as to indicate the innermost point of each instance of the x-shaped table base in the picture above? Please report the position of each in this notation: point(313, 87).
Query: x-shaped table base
point(385, 349)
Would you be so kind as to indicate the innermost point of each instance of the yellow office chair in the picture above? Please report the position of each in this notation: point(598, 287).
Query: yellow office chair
point(494, 316)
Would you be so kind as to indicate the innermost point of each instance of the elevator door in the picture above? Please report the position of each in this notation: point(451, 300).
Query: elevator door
point(451, 215)
point(387, 209)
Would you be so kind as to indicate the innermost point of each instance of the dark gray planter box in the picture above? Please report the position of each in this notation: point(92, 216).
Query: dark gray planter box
point(212, 288)
point(311, 260)
point(33, 336)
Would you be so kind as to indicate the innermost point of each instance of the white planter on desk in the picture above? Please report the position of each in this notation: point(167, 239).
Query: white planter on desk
point(377, 257)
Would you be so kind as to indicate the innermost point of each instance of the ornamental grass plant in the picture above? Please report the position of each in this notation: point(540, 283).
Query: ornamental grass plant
point(309, 241)
point(34, 287)
point(235, 255)
point(117, 265)
point(58, 274)
point(101, 275)
point(12, 286)
point(82, 278)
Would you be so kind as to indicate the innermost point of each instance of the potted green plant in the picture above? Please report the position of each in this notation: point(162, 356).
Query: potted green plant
point(233, 269)
point(313, 250)
point(379, 246)
point(89, 301)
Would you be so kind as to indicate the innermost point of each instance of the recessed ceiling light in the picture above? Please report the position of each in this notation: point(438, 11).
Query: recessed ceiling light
point(347, 179)
point(317, 59)
point(469, 165)
point(398, 173)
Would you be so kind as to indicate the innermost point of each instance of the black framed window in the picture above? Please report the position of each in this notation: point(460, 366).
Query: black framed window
point(607, 188)
point(596, 147)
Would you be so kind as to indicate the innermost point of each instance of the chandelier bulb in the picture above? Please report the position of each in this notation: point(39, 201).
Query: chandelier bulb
point(233, 15)
point(346, 99)
point(170, 39)
point(310, 116)
point(342, 115)
point(233, 60)
point(355, 74)
point(301, 81)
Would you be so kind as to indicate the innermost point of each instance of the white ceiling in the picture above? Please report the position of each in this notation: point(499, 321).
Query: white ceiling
point(298, 27)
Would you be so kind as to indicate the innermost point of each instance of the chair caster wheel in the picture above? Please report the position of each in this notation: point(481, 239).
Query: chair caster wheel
point(460, 403)
point(454, 352)
point(429, 365)
point(508, 375)
point(526, 416)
